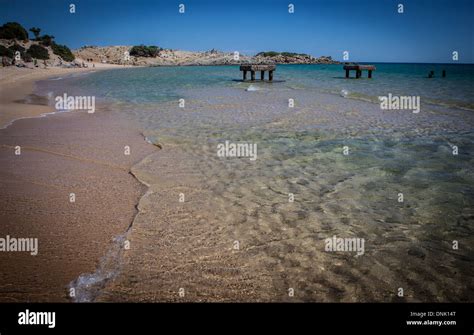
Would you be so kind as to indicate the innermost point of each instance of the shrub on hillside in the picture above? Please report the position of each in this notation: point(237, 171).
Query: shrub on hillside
point(145, 51)
point(4, 51)
point(39, 52)
point(17, 47)
point(12, 31)
point(26, 57)
point(285, 54)
point(268, 54)
point(36, 32)
point(46, 40)
point(23, 54)
point(293, 54)
point(62, 51)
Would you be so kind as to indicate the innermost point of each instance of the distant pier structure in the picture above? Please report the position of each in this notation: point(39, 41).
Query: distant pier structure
point(252, 68)
point(358, 69)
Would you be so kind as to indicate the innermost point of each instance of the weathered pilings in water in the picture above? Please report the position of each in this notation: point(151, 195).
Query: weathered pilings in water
point(358, 69)
point(431, 74)
point(254, 68)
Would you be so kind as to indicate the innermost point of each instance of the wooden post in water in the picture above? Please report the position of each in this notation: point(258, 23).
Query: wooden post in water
point(252, 75)
point(262, 75)
point(370, 74)
point(245, 75)
point(270, 75)
point(347, 73)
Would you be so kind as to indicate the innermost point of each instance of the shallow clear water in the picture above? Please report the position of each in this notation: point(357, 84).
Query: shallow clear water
point(300, 151)
point(151, 85)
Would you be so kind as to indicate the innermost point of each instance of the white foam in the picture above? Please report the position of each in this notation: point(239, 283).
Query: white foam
point(252, 88)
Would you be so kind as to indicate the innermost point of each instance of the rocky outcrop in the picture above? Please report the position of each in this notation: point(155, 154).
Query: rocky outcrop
point(283, 58)
point(168, 57)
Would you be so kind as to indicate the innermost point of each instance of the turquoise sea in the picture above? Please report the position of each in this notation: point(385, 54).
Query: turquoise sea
point(150, 85)
point(344, 160)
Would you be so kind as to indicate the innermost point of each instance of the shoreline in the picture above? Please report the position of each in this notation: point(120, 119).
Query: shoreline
point(19, 83)
point(60, 156)
point(189, 245)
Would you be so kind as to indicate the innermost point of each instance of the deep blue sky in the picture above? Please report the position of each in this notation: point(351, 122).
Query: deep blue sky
point(371, 30)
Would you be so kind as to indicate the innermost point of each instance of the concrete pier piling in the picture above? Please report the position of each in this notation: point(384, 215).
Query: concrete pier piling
point(358, 69)
point(254, 68)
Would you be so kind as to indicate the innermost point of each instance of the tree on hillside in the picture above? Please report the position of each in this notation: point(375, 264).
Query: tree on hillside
point(36, 32)
point(62, 51)
point(13, 31)
point(46, 40)
point(145, 51)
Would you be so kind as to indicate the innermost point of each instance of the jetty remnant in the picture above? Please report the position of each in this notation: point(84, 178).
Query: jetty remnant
point(254, 68)
point(358, 69)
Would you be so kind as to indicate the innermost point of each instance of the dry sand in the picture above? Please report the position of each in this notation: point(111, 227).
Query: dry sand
point(61, 154)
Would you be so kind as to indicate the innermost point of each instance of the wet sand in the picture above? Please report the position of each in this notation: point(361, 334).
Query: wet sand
point(61, 154)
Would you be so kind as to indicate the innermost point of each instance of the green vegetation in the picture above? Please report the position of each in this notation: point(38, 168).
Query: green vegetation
point(16, 47)
point(268, 54)
point(11, 51)
point(39, 52)
point(62, 51)
point(293, 54)
point(6, 52)
point(145, 51)
point(26, 57)
point(36, 32)
point(46, 40)
point(285, 54)
point(13, 31)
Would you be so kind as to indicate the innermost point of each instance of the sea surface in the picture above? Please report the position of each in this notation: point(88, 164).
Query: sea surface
point(401, 181)
point(151, 85)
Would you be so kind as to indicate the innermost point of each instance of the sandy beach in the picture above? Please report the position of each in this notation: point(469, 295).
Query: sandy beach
point(61, 154)
point(159, 154)
point(18, 83)
point(235, 236)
